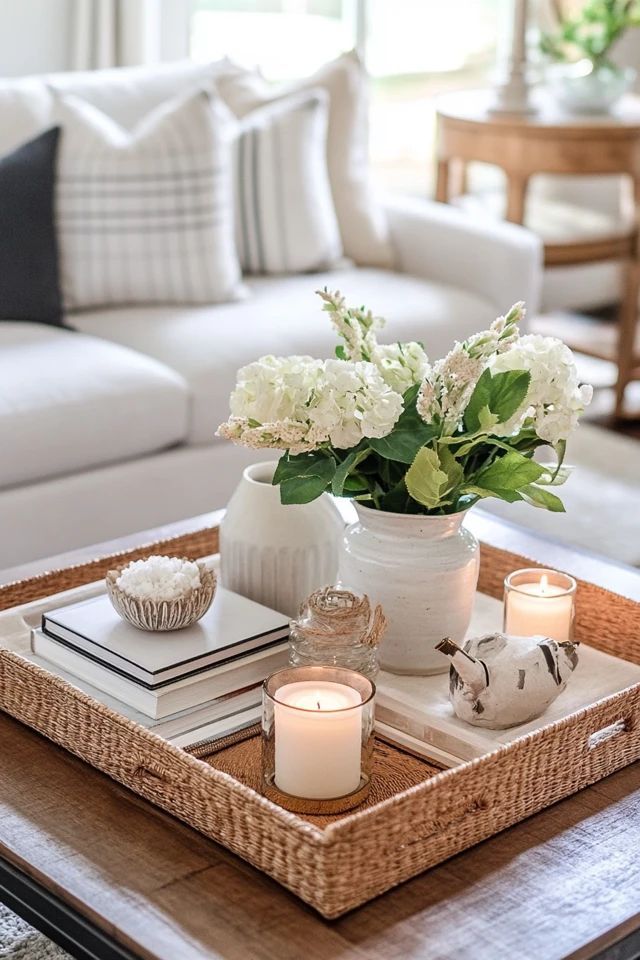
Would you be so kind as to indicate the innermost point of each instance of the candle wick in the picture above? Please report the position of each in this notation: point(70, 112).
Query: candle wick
point(318, 704)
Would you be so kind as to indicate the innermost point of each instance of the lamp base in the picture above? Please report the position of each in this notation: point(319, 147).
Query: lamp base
point(513, 96)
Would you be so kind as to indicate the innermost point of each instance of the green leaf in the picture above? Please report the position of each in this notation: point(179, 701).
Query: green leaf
point(452, 468)
point(542, 498)
point(511, 496)
point(341, 353)
point(409, 434)
point(425, 480)
point(554, 476)
point(487, 420)
point(397, 500)
point(498, 395)
point(345, 468)
point(482, 440)
point(304, 477)
point(510, 472)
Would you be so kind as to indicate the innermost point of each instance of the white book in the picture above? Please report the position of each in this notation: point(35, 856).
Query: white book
point(233, 627)
point(194, 719)
point(182, 694)
point(210, 732)
point(176, 723)
point(417, 747)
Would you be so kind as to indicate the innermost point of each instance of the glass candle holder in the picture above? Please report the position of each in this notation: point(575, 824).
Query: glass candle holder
point(317, 738)
point(539, 602)
point(337, 628)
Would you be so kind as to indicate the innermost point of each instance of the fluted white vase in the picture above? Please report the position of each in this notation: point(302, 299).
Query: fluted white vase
point(276, 554)
point(424, 572)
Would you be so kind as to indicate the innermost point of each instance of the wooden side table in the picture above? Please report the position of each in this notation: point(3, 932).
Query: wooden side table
point(554, 143)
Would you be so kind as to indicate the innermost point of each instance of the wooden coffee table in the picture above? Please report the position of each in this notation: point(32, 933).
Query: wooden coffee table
point(107, 875)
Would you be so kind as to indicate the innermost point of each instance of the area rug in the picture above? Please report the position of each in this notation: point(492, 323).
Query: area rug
point(19, 941)
point(602, 498)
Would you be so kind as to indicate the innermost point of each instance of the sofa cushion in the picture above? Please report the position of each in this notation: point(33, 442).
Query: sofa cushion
point(285, 218)
point(68, 401)
point(147, 216)
point(363, 226)
point(29, 286)
point(207, 345)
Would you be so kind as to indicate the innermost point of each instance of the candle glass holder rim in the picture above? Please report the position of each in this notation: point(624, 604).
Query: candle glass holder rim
point(319, 672)
point(568, 583)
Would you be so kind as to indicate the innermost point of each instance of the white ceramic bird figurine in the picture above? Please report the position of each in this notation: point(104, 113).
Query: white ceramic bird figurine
point(498, 681)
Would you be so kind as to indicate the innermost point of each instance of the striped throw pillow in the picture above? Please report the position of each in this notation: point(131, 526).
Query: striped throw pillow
point(147, 216)
point(285, 218)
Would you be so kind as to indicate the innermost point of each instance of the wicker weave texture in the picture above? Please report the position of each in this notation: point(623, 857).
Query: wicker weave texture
point(344, 861)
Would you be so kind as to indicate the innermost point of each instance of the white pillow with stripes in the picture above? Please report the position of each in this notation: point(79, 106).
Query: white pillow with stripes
point(285, 217)
point(147, 216)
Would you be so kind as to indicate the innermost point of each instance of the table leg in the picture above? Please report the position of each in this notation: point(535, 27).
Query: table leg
point(442, 181)
point(627, 326)
point(516, 197)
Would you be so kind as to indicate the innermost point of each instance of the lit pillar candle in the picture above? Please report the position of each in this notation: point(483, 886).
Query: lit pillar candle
point(539, 602)
point(318, 736)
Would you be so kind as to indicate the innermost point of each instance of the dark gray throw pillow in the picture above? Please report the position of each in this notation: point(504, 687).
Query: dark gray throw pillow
point(29, 278)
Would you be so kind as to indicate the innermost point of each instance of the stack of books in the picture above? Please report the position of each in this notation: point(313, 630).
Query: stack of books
point(200, 683)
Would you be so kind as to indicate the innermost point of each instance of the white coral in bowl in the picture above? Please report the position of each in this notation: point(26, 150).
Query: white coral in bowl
point(161, 593)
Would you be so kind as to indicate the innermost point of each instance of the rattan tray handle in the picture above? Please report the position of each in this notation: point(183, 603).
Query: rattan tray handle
point(602, 737)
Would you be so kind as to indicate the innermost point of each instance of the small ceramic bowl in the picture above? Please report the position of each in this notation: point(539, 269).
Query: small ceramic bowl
point(163, 614)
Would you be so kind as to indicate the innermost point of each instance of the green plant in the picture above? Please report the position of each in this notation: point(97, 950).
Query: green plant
point(590, 33)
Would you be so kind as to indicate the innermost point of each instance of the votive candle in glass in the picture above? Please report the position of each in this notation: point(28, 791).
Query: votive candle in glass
point(317, 731)
point(539, 603)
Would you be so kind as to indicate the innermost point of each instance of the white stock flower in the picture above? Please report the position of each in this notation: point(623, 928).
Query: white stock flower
point(402, 365)
point(446, 393)
point(555, 398)
point(356, 326)
point(500, 336)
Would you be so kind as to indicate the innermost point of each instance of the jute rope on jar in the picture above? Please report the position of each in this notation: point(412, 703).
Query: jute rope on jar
point(332, 614)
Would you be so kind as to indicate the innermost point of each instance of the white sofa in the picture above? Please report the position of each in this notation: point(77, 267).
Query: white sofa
point(109, 428)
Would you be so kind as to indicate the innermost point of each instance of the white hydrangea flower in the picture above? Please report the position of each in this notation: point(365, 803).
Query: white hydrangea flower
point(555, 398)
point(301, 404)
point(401, 365)
point(275, 388)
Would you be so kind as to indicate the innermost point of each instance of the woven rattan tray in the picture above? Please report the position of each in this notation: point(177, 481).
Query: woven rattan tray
point(417, 815)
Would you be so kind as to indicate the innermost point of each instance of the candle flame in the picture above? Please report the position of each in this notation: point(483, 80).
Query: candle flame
point(544, 583)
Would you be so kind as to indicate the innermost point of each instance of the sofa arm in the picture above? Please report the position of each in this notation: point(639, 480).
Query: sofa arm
point(500, 262)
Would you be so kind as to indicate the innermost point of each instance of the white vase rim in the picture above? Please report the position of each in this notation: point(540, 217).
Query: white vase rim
point(371, 511)
point(265, 467)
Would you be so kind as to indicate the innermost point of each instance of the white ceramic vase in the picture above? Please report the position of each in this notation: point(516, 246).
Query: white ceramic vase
point(275, 554)
point(424, 572)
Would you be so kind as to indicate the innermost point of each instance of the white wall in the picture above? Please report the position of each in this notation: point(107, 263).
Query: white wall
point(34, 36)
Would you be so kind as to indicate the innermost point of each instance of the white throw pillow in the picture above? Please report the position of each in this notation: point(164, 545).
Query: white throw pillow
point(147, 216)
point(285, 218)
point(363, 226)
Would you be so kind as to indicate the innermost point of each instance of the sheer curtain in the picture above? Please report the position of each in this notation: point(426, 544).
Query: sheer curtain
point(114, 33)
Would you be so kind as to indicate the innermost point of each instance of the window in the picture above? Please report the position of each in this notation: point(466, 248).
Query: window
point(414, 50)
